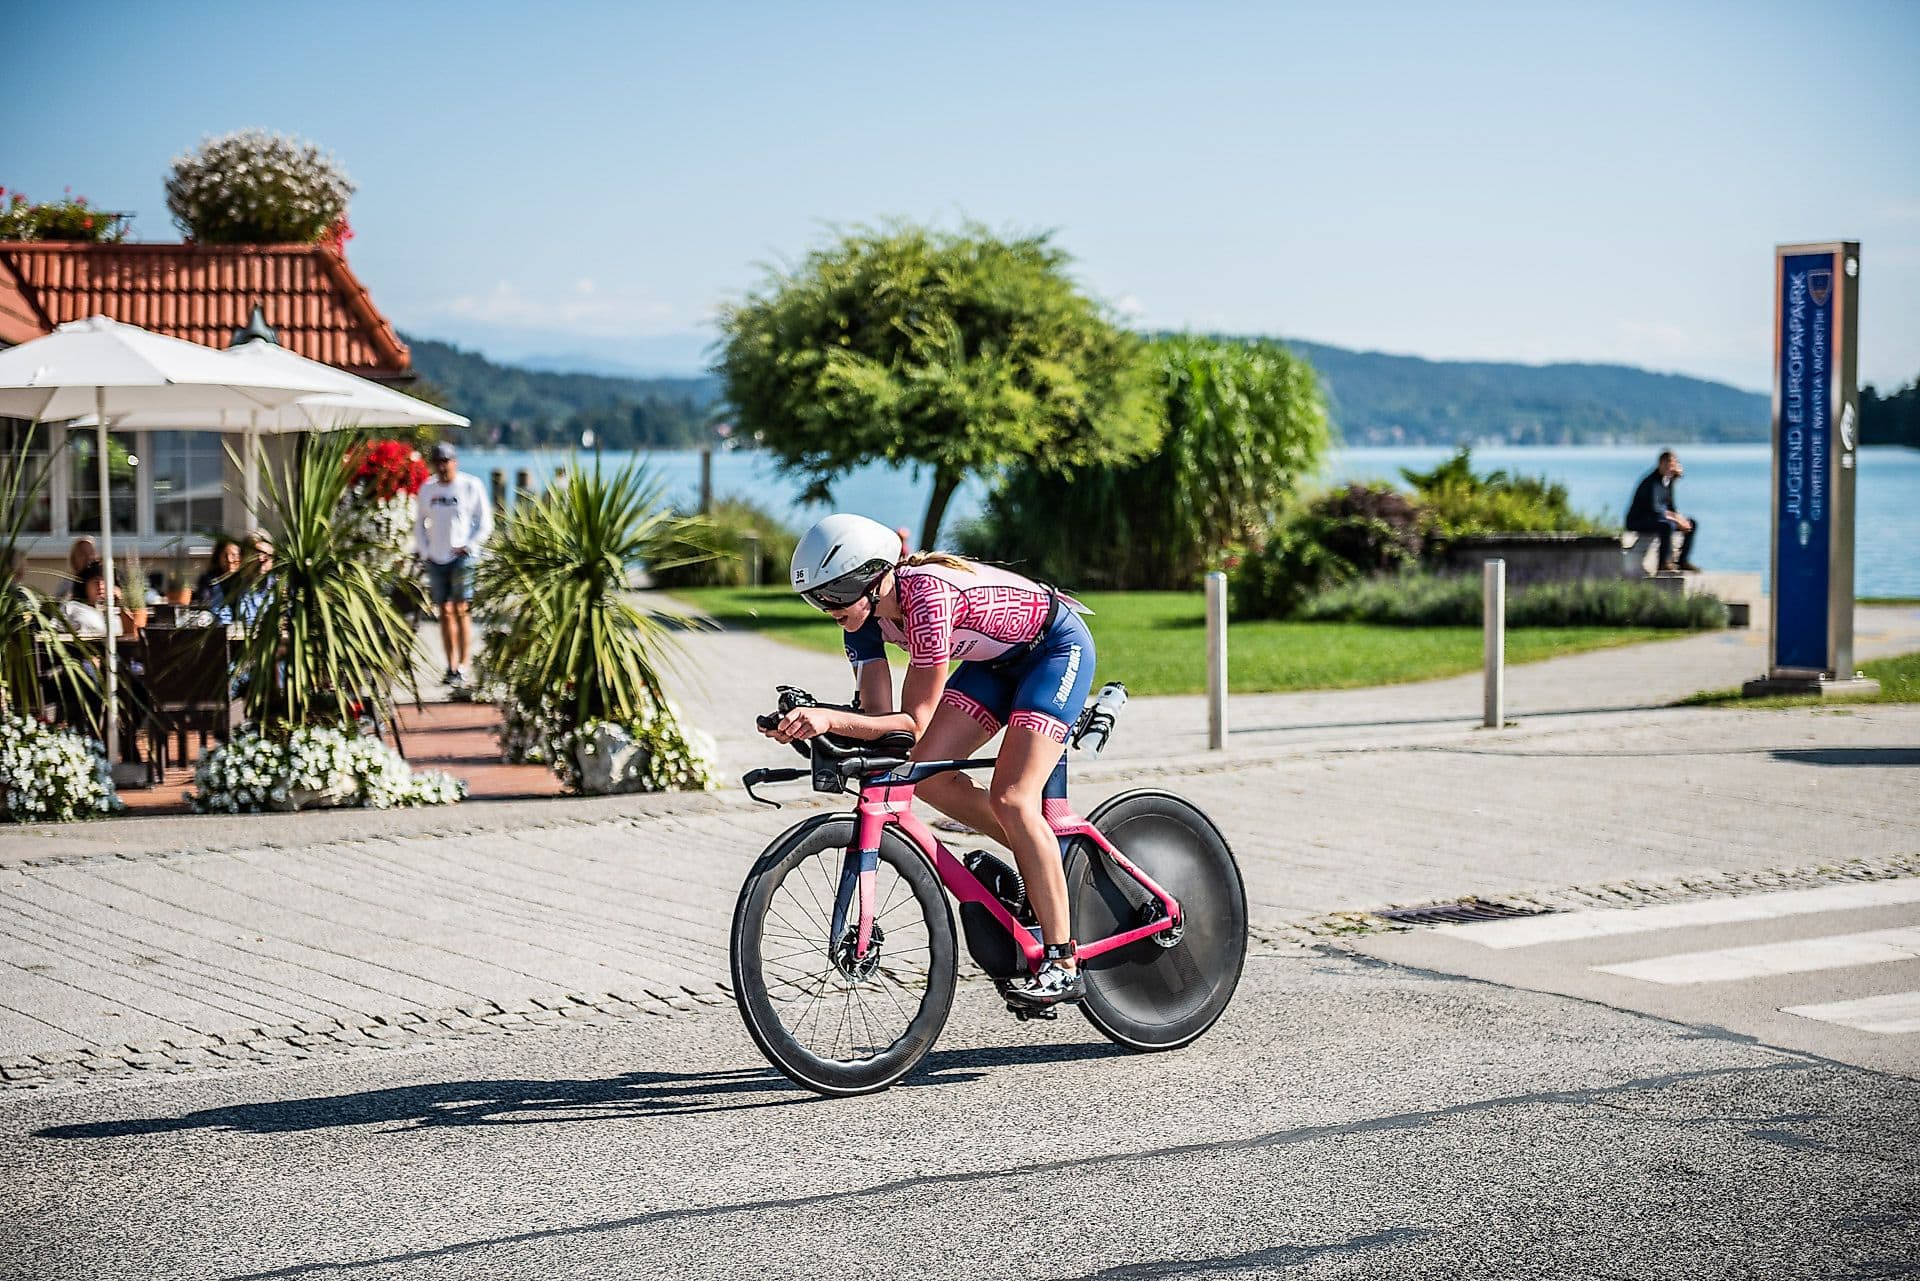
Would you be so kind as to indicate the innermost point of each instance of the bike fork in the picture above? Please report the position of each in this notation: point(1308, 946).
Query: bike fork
point(853, 900)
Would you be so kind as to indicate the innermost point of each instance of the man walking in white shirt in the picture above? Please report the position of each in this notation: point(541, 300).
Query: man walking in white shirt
point(454, 519)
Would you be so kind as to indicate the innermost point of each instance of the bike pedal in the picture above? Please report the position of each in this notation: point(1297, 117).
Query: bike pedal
point(1025, 1012)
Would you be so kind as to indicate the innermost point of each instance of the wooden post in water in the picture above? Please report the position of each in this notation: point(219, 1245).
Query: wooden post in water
point(497, 487)
point(706, 480)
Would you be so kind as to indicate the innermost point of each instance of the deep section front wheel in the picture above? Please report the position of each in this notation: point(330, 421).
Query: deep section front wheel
point(836, 1022)
point(1149, 996)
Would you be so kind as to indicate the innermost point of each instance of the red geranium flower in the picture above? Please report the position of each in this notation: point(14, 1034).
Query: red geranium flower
point(388, 468)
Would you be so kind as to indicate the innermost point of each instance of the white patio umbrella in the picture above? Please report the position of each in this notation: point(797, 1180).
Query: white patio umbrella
point(106, 370)
point(348, 401)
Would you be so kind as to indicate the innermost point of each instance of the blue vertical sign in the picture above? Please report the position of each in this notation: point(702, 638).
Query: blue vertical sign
point(1803, 450)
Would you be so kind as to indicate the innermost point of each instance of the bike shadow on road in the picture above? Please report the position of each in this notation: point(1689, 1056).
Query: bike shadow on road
point(532, 1101)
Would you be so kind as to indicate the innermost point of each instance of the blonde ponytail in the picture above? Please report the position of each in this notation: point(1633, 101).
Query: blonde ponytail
point(946, 560)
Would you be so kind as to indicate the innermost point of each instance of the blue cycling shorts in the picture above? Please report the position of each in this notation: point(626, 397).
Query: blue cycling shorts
point(1042, 689)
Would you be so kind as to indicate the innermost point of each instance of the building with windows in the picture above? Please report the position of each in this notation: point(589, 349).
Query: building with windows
point(171, 492)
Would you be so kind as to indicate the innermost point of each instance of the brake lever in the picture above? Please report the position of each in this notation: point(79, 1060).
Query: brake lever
point(752, 777)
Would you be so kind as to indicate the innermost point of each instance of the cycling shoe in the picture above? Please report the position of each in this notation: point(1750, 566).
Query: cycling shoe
point(1055, 984)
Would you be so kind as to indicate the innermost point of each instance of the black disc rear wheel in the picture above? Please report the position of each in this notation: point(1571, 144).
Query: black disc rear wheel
point(1148, 996)
point(834, 1022)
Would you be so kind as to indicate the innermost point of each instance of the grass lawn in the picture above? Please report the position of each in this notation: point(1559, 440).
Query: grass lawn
point(1156, 642)
point(1899, 679)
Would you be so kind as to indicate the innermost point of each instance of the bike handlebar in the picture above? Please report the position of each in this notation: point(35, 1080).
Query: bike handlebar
point(835, 760)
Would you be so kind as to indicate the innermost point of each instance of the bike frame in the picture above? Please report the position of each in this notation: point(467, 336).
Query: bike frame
point(886, 800)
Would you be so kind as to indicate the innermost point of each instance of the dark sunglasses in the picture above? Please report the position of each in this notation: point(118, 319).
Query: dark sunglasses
point(842, 591)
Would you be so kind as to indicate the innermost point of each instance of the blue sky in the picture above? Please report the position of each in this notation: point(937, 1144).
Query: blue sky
point(1529, 182)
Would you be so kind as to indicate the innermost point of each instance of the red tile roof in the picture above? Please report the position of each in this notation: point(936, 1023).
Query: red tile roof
point(203, 293)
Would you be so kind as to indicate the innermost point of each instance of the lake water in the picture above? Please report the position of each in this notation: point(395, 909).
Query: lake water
point(1727, 487)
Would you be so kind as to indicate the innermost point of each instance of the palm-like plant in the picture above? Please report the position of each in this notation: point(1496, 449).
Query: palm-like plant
point(567, 636)
point(28, 616)
point(326, 633)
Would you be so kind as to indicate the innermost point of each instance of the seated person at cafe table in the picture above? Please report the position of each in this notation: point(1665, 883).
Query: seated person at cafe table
point(219, 587)
point(247, 605)
point(83, 553)
point(89, 614)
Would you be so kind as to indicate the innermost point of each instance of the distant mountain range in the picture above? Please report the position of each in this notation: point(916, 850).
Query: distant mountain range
point(517, 407)
point(1376, 399)
point(1379, 399)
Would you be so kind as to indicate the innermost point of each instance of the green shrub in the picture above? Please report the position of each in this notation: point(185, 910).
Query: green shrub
point(1375, 529)
point(1434, 600)
point(1399, 600)
point(1614, 603)
point(1245, 421)
point(1459, 503)
point(724, 545)
point(1274, 580)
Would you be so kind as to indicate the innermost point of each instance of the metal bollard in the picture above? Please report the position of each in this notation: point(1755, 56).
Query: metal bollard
point(1493, 616)
point(1216, 662)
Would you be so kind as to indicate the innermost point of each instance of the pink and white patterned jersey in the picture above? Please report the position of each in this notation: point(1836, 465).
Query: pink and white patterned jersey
point(976, 614)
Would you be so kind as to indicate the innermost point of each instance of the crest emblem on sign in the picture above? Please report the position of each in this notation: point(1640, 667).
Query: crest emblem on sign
point(1820, 285)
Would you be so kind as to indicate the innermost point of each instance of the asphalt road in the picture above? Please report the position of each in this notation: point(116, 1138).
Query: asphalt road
point(1349, 1117)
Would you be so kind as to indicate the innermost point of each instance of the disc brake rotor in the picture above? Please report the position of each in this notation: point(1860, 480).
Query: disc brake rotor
point(858, 968)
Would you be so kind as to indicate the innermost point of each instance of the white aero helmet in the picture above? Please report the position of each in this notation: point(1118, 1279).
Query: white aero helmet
point(841, 558)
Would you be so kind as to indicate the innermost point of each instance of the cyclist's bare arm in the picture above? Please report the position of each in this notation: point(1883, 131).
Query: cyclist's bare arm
point(920, 695)
point(875, 683)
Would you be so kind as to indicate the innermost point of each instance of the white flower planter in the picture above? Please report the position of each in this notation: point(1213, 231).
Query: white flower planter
point(304, 798)
point(610, 762)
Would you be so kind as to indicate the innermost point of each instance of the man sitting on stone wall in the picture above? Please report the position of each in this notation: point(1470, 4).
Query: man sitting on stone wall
point(1652, 512)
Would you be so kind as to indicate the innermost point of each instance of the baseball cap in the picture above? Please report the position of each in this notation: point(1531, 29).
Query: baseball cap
point(443, 451)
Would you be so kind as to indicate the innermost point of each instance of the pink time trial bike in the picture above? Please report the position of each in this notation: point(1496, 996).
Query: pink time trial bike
point(845, 957)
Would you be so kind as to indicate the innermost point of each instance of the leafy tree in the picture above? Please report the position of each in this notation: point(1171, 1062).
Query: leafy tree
point(959, 351)
point(1245, 423)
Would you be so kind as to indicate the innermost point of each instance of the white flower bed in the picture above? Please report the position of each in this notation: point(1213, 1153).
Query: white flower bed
point(655, 754)
point(313, 767)
point(52, 774)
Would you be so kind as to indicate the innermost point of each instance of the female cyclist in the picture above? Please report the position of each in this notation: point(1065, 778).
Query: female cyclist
point(1026, 662)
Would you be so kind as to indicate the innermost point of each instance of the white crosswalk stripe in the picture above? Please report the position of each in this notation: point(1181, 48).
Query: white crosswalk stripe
point(1688, 963)
point(1560, 927)
point(1892, 1013)
point(1722, 965)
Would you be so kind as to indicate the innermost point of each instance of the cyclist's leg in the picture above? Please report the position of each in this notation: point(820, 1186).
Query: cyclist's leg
point(1047, 699)
point(1027, 758)
point(971, 711)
